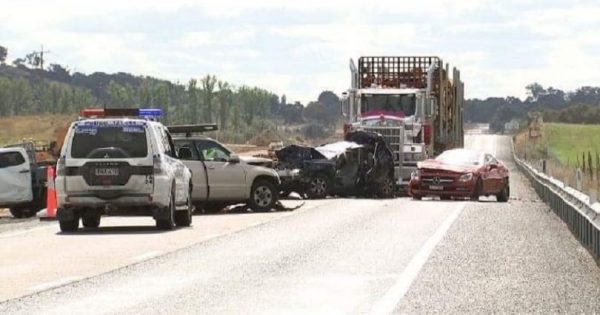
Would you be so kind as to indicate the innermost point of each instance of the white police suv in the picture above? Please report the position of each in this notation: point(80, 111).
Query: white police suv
point(121, 162)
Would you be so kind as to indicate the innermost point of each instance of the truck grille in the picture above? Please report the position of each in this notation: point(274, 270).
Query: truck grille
point(393, 137)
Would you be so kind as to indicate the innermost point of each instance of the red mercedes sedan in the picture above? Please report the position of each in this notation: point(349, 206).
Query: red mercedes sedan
point(460, 173)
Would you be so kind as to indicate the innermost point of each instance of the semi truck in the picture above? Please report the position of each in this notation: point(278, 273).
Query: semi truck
point(412, 101)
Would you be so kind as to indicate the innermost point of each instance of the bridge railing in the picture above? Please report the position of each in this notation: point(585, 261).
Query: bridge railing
point(578, 210)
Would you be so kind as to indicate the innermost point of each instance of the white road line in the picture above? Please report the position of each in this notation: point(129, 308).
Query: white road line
point(392, 297)
point(147, 255)
point(53, 284)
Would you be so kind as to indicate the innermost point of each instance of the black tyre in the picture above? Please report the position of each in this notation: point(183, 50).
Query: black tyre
point(263, 196)
point(417, 197)
point(386, 190)
point(477, 190)
point(168, 223)
point(445, 198)
point(184, 218)
point(211, 207)
point(318, 187)
point(504, 195)
point(21, 213)
point(69, 225)
point(91, 221)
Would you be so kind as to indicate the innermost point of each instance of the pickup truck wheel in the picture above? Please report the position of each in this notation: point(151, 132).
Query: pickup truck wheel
point(69, 225)
point(169, 223)
point(318, 187)
point(184, 217)
point(91, 221)
point(21, 213)
point(263, 196)
point(17, 213)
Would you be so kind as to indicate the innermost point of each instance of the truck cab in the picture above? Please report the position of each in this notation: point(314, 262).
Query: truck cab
point(408, 100)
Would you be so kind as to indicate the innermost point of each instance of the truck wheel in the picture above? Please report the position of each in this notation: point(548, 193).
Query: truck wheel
point(263, 196)
point(69, 225)
point(318, 187)
point(169, 223)
point(504, 195)
point(21, 213)
point(184, 217)
point(91, 221)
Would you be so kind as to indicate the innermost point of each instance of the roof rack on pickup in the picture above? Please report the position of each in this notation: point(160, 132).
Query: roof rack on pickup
point(188, 130)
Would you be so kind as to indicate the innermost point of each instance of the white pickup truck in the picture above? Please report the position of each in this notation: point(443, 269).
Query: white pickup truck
point(22, 181)
point(220, 177)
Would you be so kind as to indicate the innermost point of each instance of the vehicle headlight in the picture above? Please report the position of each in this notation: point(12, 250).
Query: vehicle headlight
point(414, 175)
point(466, 177)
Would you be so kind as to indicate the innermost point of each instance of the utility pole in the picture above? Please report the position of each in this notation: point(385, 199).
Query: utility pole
point(42, 57)
point(41, 54)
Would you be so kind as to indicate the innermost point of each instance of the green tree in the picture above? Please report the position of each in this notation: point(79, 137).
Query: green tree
point(225, 96)
point(208, 92)
point(3, 54)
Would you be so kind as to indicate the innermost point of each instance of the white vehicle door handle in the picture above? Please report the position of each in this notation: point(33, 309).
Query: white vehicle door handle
point(24, 171)
point(210, 167)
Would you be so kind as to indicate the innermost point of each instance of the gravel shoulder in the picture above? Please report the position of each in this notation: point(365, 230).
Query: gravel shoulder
point(507, 258)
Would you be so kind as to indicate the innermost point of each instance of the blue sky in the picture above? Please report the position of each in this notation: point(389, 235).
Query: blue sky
point(301, 48)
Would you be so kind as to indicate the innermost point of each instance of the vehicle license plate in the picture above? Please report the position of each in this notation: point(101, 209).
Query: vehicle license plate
point(436, 187)
point(106, 172)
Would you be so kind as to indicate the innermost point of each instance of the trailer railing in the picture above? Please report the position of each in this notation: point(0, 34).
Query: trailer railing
point(578, 210)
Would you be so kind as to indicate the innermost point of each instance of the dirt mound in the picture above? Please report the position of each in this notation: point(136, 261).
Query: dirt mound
point(264, 138)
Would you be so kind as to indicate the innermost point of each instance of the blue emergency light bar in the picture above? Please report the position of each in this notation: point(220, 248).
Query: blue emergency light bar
point(148, 113)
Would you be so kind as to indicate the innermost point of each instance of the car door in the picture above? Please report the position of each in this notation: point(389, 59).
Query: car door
point(200, 190)
point(15, 177)
point(227, 180)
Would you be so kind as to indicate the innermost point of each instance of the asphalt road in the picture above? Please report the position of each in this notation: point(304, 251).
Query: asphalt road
point(330, 256)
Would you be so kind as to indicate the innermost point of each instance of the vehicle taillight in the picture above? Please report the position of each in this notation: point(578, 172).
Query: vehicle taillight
point(61, 166)
point(157, 161)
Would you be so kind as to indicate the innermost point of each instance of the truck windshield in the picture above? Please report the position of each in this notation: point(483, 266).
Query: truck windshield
point(124, 141)
point(392, 103)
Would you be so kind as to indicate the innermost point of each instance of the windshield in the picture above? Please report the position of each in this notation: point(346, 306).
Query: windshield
point(460, 157)
point(130, 141)
point(389, 103)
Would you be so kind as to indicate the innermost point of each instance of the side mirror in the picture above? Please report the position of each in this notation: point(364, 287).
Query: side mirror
point(234, 158)
point(184, 153)
point(344, 108)
point(493, 166)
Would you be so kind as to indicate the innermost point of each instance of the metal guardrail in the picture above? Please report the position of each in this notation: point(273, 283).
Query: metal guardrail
point(580, 212)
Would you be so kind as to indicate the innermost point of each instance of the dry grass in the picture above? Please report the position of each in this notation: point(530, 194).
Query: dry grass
point(564, 143)
point(42, 128)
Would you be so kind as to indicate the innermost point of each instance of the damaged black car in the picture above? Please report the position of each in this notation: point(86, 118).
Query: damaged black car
point(361, 165)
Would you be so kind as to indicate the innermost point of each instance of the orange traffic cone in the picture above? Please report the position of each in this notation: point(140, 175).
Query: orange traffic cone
point(50, 196)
